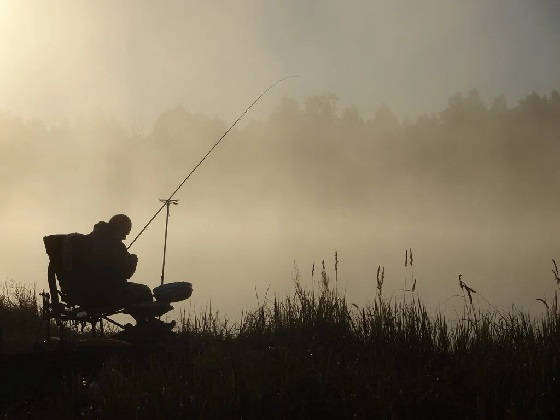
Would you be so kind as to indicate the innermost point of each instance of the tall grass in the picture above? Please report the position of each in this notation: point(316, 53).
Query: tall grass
point(19, 316)
point(313, 354)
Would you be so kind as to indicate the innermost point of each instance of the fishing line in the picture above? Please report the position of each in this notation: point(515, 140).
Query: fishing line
point(264, 92)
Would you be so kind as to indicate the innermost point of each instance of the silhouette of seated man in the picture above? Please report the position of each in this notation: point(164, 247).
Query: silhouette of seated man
point(105, 267)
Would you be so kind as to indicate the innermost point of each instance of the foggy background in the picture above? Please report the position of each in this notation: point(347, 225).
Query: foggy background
point(107, 105)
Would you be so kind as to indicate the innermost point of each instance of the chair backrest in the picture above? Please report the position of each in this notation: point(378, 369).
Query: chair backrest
point(65, 256)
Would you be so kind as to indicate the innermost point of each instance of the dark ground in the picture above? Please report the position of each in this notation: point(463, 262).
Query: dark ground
point(304, 357)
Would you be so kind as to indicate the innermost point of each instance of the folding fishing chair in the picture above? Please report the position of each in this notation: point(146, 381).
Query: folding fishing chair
point(63, 304)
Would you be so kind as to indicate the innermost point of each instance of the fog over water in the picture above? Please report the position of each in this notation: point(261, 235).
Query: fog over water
point(470, 190)
point(106, 107)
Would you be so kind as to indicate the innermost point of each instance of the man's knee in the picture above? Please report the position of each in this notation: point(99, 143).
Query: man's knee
point(137, 293)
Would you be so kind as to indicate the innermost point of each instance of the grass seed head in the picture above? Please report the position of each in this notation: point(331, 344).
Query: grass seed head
point(555, 272)
point(405, 257)
point(324, 276)
point(380, 278)
point(544, 303)
point(335, 260)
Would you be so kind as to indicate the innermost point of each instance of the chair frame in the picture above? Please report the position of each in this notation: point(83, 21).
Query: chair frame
point(57, 307)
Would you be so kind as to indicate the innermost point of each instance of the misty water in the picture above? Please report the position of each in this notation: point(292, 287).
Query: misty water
point(471, 190)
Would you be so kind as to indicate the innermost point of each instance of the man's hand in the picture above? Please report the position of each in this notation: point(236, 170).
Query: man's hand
point(131, 266)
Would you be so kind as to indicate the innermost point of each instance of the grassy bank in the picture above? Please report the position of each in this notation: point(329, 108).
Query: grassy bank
point(20, 323)
point(308, 355)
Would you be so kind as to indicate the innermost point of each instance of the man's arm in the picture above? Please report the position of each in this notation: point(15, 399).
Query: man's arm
point(124, 262)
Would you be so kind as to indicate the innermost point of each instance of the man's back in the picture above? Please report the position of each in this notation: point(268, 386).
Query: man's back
point(102, 264)
point(109, 256)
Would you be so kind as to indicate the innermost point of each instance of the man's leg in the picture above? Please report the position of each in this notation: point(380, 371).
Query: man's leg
point(136, 293)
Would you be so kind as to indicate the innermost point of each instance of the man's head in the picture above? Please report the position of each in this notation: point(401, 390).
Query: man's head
point(120, 225)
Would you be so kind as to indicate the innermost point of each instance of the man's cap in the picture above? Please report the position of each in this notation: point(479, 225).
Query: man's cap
point(121, 222)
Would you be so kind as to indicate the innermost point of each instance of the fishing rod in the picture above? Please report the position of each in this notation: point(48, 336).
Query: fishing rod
point(264, 92)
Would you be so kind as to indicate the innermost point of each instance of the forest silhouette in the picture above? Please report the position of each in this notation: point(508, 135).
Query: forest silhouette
point(495, 157)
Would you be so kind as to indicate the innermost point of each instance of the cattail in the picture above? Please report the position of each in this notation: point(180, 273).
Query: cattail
point(410, 255)
point(312, 271)
point(413, 286)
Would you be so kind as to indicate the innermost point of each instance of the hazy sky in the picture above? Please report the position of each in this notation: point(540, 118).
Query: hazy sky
point(132, 59)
